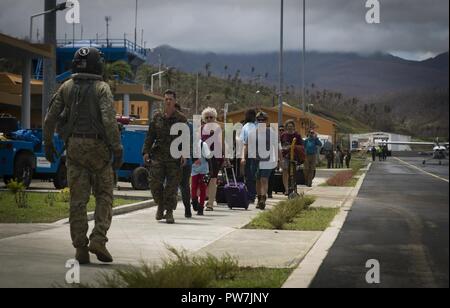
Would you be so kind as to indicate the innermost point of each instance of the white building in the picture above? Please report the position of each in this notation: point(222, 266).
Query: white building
point(362, 142)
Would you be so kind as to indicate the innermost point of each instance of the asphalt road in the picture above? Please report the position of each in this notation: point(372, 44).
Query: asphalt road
point(400, 218)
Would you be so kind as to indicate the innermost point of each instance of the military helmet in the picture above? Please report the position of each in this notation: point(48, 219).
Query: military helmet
point(88, 60)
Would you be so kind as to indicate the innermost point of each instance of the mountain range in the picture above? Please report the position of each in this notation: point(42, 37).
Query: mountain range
point(352, 74)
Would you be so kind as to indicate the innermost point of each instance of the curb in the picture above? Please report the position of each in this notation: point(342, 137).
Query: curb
point(304, 275)
point(121, 210)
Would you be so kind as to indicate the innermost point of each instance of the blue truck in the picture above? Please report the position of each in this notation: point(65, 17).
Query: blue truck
point(22, 158)
point(133, 170)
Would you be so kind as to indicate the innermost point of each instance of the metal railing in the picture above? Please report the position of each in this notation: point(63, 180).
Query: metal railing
point(103, 43)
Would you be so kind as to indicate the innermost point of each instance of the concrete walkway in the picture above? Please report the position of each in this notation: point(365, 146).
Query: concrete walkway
point(38, 259)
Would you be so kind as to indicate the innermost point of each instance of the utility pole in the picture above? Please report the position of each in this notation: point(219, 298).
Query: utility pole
point(304, 59)
point(135, 25)
point(280, 89)
point(49, 78)
point(196, 94)
point(108, 20)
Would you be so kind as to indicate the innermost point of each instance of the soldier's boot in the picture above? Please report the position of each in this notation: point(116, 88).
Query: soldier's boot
point(82, 255)
point(101, 252)
point(169, 217)
point(160, 213)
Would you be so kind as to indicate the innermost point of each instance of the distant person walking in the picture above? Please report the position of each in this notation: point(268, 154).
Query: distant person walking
point(266, 165)
point(185, 184)
point(329, 154)
point(249, 166)
point(339, 158)
point(311, 145)
point(286, 142)
point(373, 151)
point(200, 171)
point(348, 158)
point(385, 151)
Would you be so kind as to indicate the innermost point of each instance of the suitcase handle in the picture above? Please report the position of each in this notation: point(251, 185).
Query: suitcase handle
point(234, 176)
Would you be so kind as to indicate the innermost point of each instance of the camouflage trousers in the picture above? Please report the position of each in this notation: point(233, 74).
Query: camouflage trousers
point(89, 170)
point(165, 178)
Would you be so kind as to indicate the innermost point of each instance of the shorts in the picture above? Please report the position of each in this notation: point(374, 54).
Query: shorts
point(264, 173)
point(215, 165)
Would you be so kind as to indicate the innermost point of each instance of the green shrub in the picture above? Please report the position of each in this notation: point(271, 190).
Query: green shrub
point(286, 211)
point(64, 195)
point(18, 190)
point(50, 199)
point(180, 271)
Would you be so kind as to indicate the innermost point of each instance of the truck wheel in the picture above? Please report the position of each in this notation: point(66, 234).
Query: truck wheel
point(23, 169)
point(7, 179)
point(60, 180)
point(139, 179)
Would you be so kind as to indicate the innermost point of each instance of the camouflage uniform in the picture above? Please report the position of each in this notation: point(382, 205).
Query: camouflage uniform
point(87, 102)
point(165, 171)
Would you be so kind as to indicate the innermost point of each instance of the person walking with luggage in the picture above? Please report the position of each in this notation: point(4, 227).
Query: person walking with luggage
point(83, 114)
point(209, 116)
point(311, 145)
point(165, 171)
point(249, 165)
point(266, 165)
point(286, 142)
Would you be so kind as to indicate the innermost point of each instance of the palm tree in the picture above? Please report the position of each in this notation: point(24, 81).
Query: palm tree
point(207, 68)
point(119, 70)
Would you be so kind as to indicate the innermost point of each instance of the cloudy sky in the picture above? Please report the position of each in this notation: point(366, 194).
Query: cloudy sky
point(413, 29)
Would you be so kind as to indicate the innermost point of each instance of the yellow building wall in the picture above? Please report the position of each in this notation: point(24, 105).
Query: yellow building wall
point(140, 109)
point(321, 125)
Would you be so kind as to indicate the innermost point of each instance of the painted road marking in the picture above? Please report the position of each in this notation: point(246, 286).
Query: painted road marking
point(420, 169)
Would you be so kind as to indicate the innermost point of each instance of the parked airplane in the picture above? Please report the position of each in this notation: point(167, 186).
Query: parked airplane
point(440, 150)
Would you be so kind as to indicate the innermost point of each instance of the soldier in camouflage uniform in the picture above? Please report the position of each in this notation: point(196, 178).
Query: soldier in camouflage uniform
point(82, 113)
point(165, 171)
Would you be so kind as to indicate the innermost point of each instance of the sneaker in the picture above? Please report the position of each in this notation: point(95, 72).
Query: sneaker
point(195, 205)
point(209, 209)
point(200, 212)
point(188, 213)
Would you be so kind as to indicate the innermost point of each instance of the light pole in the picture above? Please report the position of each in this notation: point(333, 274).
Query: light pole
point(304, 59)
point(196, 94)
point(135, 25)
point(280, 94)
point(59, 7)
point(108, 20)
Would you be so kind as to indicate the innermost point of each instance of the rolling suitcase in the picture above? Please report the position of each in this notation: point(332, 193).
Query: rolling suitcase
point(276, 183)
point(221, 197)
point(236, 194)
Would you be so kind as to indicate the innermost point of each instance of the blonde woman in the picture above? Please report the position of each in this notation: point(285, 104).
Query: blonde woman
point(209, 116)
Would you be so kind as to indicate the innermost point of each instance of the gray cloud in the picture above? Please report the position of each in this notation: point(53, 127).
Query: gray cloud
point(412, 28)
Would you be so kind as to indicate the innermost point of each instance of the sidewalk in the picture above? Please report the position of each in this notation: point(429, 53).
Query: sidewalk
point(38, 259)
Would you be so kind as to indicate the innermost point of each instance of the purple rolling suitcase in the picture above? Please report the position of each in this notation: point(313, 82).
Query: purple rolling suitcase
point(236, 194)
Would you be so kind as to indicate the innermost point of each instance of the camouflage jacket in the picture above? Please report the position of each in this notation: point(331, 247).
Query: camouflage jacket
point(158, 141)
point(94, 93)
